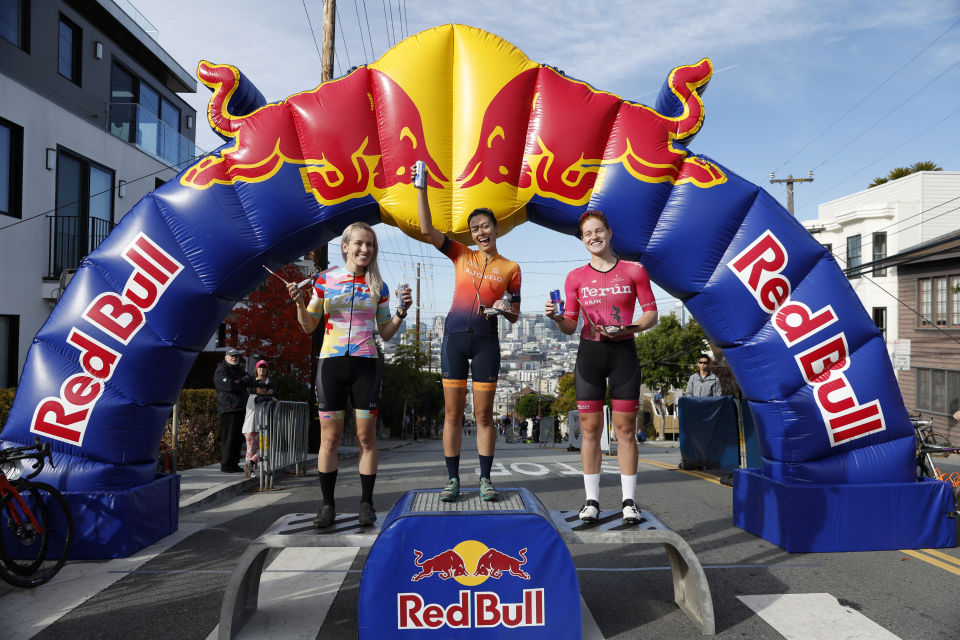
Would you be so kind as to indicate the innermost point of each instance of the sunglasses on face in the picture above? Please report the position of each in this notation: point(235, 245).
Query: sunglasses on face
point(703, 363)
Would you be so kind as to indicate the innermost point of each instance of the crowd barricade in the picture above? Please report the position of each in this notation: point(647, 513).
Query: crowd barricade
point(283, 438)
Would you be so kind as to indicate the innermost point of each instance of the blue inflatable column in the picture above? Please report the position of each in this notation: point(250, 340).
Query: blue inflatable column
point(472, 569)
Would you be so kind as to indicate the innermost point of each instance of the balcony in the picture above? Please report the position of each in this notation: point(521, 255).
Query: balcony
point(132, 123)
point(72, 238)
point(145, 24)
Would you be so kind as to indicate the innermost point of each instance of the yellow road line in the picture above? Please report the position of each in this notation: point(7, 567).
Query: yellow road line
point(942, 555)
point(929, 560)
point(695, 474)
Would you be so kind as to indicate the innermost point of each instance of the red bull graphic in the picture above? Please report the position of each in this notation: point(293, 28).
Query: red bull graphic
point(489, 611)
point(494, 563)
point(447, 565)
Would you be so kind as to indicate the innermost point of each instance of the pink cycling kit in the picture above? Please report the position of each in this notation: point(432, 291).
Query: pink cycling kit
point(607, 298)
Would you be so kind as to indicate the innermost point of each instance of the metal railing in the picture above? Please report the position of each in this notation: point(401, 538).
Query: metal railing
point(283, 438)
point(144, 24)
point(132, 123)
point(72, 238)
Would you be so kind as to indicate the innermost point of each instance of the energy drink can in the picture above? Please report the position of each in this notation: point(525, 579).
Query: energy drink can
point(420, 175)
point(401, 287)
point(557, 302)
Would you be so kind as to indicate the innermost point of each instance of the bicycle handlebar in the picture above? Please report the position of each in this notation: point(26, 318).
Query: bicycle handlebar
point(40, 453)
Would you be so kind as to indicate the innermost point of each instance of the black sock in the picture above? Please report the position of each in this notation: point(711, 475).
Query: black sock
point(453, 467)
point(328, 481)
point(366, 487)
point(486, 463)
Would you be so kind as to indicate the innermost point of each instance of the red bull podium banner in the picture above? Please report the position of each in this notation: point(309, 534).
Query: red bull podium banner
point(519, 137)
point(470, 569)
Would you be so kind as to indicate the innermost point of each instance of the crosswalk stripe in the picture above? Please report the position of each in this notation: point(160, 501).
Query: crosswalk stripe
point(814, 616)
point(929, 560)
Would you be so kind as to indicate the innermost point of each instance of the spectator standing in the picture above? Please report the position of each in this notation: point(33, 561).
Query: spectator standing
point(251, 424)
point(231, 382)
point(703, 383)
point(260, 373)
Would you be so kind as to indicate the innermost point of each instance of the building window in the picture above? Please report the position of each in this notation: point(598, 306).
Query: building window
point(880, 319)
point(955, 300)
point(926, 302)
point(221, 336)
point(853, 255)
point(11, 168)
point(9, 350)
point(940, 293)
point(15, 22)
point(828, 246)
point(141, 116)
point(879, 252)
point(938, 391)
point(84, 210)
point(71, 39)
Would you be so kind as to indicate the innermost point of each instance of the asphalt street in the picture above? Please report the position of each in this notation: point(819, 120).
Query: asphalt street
point(178, 591)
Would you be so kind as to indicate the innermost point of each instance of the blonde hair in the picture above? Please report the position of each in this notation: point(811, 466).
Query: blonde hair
point(372, 271)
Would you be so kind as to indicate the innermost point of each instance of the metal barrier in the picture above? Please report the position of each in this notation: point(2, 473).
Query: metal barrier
point(283, 438)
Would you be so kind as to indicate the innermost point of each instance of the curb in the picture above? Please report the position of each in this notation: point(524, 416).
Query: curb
point(229, 490)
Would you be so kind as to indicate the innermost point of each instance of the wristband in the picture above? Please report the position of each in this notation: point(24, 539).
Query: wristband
point(401, 316)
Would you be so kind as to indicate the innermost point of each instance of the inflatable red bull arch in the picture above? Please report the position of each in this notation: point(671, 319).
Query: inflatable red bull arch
point(501, 131)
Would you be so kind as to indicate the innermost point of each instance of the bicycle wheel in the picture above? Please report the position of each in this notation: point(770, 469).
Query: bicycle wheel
point(29, 558)
point(938, 440)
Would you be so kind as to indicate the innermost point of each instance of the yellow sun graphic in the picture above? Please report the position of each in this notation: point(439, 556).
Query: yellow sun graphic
point(470, 551)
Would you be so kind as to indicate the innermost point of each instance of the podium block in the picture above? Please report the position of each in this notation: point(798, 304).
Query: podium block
point(469, 569)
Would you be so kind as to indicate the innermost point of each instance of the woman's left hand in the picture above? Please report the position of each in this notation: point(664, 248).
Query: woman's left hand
point(502, 305)
point(603, 331)
point(406, 299)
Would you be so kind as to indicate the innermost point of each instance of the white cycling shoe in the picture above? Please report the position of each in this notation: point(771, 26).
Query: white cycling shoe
point(631, 515)
point(590, 511)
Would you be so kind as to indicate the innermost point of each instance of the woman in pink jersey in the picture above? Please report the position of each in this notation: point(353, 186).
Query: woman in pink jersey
point(607, 291)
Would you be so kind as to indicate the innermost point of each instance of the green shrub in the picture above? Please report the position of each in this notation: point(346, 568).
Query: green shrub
point(6, 401)
point(198, 436)
point(292, 390)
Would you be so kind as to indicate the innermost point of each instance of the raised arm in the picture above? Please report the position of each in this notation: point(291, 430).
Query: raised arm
point(430, 232)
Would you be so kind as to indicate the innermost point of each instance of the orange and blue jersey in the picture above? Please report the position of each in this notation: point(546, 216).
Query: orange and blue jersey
point(479, 281)
point(352, 314)
point(607, 297)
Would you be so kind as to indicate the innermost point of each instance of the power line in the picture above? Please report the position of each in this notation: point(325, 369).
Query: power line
point(867, 96)
point(362, 41)
point(386, 27)
point(311, 30)
point(880, 158)
point(406, 19)
point(390, 4)
point(889, 113)
point(369, 33)
point(345, 49)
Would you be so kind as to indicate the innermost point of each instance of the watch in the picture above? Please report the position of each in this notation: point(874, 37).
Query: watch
point(401, 316)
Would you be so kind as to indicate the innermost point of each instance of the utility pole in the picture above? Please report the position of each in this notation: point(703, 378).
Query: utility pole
point(418, 308)
point(320, 255)
point(789, 181)
point(418, 266)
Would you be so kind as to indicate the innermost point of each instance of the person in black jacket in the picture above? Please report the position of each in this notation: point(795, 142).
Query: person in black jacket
point(231, 382)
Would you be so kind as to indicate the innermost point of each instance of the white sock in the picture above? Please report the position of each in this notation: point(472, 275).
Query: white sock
point(591, 481)
point(629, 486)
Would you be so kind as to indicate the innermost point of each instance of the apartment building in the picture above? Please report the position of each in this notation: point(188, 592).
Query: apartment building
point(91, 120)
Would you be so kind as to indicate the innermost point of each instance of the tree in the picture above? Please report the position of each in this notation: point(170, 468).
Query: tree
point(529, 407)
point(901, 172)
point(667, 352)
point(405, 386)
point(566, 395)
point(265, 326)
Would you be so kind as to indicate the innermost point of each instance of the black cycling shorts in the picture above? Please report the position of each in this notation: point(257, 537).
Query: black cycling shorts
point(600, 360)
point(465, 351)
point(353, 377)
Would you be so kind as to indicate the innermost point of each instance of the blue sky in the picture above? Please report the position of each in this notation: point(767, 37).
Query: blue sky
point(789, 70)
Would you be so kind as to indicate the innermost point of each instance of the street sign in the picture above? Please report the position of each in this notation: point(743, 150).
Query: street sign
point(573, 429)
point(901, 355)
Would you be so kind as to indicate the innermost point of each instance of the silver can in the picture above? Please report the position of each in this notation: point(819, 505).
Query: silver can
point(420, 175)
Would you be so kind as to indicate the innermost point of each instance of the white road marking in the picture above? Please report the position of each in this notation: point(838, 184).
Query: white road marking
point(814, 616)
point(571, 471)
point(294, 597)
point(540, 470)
point(590, 629)
point(496, 470)
point(609, 466)
point(26, 612)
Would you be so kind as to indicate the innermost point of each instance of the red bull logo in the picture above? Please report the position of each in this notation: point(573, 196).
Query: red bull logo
point(349, 143)
point(471, 563)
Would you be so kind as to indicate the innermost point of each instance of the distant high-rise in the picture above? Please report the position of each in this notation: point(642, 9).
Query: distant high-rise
point(438, 322)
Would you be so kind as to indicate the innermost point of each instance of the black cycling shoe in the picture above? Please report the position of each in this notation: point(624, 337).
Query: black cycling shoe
point(367, 514)
point(324, 517)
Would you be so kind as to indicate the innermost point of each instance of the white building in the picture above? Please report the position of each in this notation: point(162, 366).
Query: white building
point(874, 223)
point(90, 122)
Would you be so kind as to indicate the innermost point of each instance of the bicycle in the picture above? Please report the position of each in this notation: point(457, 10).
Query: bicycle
point(36, 525)
point(927, 436)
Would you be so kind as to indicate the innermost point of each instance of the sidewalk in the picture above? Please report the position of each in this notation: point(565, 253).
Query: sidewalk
point(204, 486)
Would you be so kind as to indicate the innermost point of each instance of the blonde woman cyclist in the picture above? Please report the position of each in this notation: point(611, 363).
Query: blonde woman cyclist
point(470, 338)
point(352, 303)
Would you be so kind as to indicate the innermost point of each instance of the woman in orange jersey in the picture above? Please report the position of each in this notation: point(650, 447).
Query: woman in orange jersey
point(470, 339)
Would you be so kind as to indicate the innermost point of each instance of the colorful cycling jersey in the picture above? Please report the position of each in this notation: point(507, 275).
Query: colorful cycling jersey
point(607, 297)
point(478, 281)
point(352, 315)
